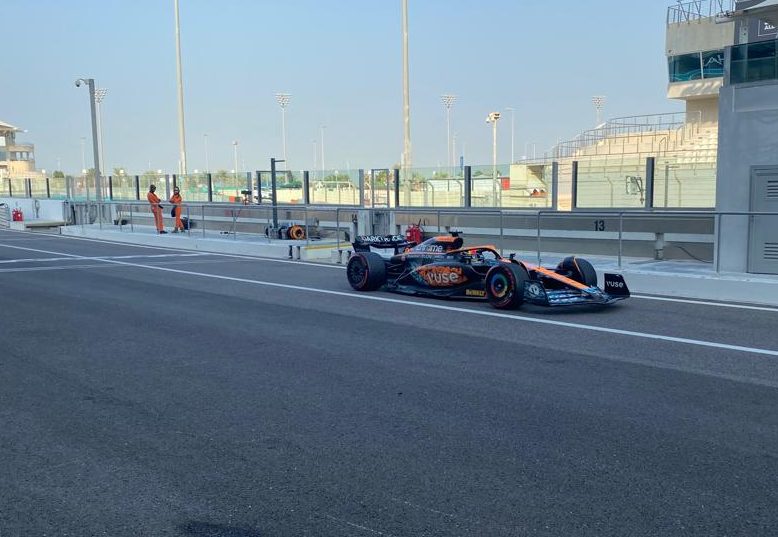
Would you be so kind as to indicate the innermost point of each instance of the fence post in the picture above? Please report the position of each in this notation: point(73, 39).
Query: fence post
point(137, 188)
point(48, 188)
point(574, 194)
point(175, 182)
point(717, 244)
point(396, 187)
point(621, 236)
point(468, 187)
point(539, 212)
point(167, 186)
point(650, 172)
point(28, 187)
point(210, 187)
point(110, 187)
point(274, 193)
point(502, 233)
point(361, 187)
point(259, 187)
point(249, 187)
point(306, 189)
point(554, 186)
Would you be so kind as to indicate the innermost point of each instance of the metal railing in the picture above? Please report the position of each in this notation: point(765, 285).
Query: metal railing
point(5, 215)
point(207, 219)
point(612, 230)
point(697, 10)
point(622, 131)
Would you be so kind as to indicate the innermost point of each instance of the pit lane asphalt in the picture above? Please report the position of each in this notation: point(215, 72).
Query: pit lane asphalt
point(139, 401)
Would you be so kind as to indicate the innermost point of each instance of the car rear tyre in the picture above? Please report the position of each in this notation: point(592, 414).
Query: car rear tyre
point(580, 270)
point(505, 285)
point(366, 271)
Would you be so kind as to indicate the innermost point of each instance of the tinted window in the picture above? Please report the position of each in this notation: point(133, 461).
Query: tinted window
point(713, 64)
point(686, 67)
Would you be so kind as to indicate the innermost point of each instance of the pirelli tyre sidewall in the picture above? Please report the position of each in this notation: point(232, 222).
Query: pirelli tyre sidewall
point(296, 233)
point(366, 271)
point(504, 285)
point(582, 271)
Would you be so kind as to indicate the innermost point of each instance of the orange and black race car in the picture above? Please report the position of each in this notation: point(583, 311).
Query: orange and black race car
point(443, 267)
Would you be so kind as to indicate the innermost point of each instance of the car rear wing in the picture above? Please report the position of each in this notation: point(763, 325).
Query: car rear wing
point(398, 243)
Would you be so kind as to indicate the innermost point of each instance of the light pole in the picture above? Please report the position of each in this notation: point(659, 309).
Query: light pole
point(180, 80)
point(90, 83)
point(599, 103)
point(283, 100)
point(83, 154)
point(454, 150)
point(448, 101)
point(512, 111)
point(493, 118)
point(235, 155)
point(321, 129)
point(207, 164)
point(315, 157)
point(100, 94)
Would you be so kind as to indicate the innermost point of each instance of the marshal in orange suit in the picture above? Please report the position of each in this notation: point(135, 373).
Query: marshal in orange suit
point(156, 208)
point(177, 200)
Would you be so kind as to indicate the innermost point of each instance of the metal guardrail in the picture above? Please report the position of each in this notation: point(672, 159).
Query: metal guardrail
point(697, 10)
point(101, 213)
point(204, 217)
point(5, 215)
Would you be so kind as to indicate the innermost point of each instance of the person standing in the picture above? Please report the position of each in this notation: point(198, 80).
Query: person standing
point(177, 200)
point(156, 209)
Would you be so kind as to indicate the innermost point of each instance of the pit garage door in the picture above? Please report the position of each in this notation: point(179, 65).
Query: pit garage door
point(763, 232)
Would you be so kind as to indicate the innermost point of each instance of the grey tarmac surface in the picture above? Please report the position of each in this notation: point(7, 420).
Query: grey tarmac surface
point(155, 392)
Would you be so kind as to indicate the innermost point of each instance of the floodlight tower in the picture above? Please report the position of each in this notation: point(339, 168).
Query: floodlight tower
point(406, 156)
point(448, 102)
point(180, 86)
point(100, 94)
point(493, 118)
point(283, 101)
point(599, 103)
point(90, 84)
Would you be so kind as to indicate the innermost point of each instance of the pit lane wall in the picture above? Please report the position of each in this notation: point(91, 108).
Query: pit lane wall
point(662, 235)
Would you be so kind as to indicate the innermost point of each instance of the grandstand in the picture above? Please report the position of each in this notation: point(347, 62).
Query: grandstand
point(610, 161)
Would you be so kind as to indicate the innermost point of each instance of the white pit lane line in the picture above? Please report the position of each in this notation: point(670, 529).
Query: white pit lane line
point(439, 307)
point(698, 302)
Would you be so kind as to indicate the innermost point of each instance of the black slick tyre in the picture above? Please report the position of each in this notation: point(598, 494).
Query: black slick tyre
point(366, 271)
point(504, 285)
point(580, 269)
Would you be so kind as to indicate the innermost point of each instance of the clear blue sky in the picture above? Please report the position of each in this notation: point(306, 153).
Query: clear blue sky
point(341, 60)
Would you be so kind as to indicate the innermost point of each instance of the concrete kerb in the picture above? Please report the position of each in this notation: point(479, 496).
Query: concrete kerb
point(198, 243)
point(724, 287)
point(667, 278)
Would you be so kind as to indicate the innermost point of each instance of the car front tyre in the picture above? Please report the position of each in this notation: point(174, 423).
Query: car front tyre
point(505, 286)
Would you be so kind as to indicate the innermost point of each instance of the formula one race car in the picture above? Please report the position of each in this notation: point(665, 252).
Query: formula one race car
point(442, 267)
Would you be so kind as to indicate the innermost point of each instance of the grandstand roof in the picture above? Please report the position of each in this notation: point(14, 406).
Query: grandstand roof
point(766, 10)
point(755, 4)
point(7, 127)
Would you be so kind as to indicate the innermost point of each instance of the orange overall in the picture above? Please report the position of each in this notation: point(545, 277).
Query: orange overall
point(176, 200)
point(156, 209)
